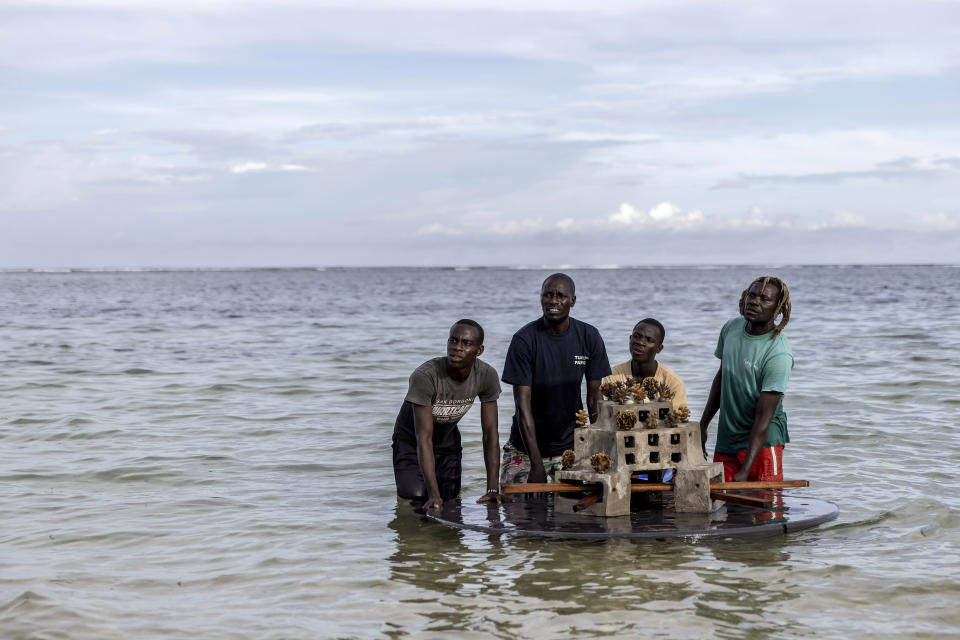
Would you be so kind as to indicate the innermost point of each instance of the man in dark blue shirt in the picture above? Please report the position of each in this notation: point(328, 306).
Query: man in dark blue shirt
point(546, 363)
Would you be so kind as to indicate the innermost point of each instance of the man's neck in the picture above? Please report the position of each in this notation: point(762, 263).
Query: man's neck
point(644, 370)
point(559, 328)
point(758, 330)
point(457, 374)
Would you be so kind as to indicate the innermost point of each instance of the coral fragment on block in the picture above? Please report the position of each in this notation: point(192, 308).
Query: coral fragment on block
point(600, 462)
point(626, 419)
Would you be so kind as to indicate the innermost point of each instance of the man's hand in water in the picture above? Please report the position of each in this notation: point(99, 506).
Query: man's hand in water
point(491, 496)
point(537, 474)
point(433, 502)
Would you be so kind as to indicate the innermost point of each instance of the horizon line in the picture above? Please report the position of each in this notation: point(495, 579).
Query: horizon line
point(540, 267)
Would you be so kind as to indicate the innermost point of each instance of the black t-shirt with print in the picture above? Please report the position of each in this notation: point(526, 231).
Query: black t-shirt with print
point(554, 366)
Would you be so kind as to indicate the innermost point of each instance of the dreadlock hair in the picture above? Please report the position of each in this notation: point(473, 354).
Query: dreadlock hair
point(783, 303)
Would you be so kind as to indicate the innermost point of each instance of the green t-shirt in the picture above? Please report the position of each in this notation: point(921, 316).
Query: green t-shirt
point(750, 366)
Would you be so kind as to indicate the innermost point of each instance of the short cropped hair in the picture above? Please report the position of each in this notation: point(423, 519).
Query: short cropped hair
point(655, 323)
point(470, 323)
point(561, 276)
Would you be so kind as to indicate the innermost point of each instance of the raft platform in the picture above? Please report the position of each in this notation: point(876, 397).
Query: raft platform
point(536, 517)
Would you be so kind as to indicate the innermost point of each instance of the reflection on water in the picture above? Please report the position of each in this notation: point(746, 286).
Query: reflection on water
point(730, 584)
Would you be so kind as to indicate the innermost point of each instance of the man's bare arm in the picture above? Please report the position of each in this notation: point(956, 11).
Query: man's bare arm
point(766, 407)
point(593, 399)
point(423, 424)
point(491, 450)
point(528, 431)
point(710, 410)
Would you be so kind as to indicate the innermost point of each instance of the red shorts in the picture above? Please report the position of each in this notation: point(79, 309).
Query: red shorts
point(767, 466)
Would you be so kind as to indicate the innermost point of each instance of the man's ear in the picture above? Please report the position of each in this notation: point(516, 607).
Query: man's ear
point(573, 300)
point(480, 350)
point(659, 347)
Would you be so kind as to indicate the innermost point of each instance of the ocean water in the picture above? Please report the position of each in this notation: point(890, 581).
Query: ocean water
point(207, 455)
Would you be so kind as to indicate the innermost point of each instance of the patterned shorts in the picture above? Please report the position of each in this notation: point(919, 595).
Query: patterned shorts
point(515, 466)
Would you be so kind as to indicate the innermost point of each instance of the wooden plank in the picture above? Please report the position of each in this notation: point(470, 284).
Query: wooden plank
point(567, 487)
point(586, 502)
point(650, 486)
point(760, 484)
point(544, 487)
point(735, 498)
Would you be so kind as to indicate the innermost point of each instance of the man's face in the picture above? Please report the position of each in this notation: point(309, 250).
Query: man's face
point(645, 343)
point(760, 305)
point(463, 345)
point(556, 299)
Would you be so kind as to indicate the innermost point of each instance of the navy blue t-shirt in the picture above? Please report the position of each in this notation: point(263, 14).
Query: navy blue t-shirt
point(553, 366)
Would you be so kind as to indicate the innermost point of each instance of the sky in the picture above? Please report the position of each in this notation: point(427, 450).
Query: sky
point(175, 133)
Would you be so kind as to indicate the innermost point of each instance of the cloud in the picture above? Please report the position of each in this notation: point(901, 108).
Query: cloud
point(903, 168)
point(664, 215)
point(524, 227)
point(840, 220)
point(249, 167)
point(261, 167)
point(939, 222)
point(438, 229)
point(480, 223)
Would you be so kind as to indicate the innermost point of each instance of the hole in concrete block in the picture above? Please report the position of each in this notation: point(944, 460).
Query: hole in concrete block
point(630, 458)
point(629, 443)
point(581, 438)
point(653, 439)
point(663, 412)
point(643, 415)
point(674, 438)
point(675, 457)
point(654, 457)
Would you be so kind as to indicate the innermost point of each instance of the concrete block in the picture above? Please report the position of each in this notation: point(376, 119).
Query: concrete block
point(691, 487)
point(615, 500)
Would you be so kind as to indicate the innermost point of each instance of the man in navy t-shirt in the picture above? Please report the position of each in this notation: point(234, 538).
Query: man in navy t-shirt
point(546, 363)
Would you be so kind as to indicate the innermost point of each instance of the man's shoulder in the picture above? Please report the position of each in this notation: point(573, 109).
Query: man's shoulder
point(733, 324)
point(482, 368)
point(623, 369)
point(583, 327)
point(432, 368)
point(529, 330)
point(585, 332)
point(667, 372)
point(781, 346)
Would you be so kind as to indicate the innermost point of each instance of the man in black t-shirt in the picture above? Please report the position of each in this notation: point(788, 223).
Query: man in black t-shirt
point(546, 363)
point(426, 440)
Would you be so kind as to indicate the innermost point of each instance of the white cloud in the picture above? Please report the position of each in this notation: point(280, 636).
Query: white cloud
point(665, 215)
point(294, 167)
point(248, 167)
point(564, 224)
point(841, 220)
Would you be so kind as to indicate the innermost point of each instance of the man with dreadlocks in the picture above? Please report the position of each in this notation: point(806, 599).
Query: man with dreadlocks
point(755, 364)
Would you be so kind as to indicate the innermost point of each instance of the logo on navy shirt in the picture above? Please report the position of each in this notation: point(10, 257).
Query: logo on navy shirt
point(580, 360)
